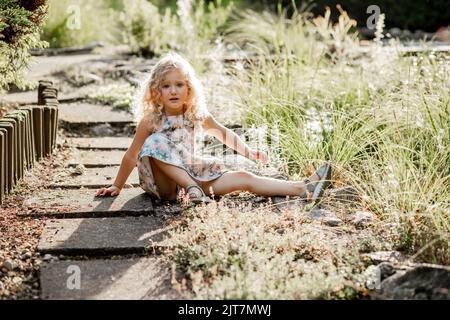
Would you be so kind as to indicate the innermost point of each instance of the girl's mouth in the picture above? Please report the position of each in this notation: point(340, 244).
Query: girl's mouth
point(173, 99)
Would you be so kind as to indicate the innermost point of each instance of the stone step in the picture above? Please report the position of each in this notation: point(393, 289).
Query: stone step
point(102, 236)
point(95, 159)
point(147, 278)
point(95, 120)
point(100, 143)
point(91, 178)
point(82, 112)
point(82, 203)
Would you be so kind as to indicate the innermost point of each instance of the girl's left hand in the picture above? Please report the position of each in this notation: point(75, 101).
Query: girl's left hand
point(259, 155)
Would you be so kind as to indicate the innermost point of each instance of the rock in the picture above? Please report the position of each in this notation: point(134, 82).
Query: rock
point(79, 169)
point(9, 265)
point(325, 216)
point(17, 280)
point(395, 32)
point(27, 255)
point(423, 281)
point(104, 129)
point(378, 257)
point(47, 257)
point(362, 219)
point(332, 221)
point(288, 203)
point(320, 214)
point(386, 270)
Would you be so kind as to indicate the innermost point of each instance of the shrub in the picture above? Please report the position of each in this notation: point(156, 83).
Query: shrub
point(20, 22)
point(79, 22)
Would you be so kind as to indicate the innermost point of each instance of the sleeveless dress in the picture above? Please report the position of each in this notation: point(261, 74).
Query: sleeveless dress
point(178, 142)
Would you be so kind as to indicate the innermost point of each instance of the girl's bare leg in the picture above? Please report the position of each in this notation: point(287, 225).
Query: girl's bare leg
point(167, 177)
point(167, 188)
point(264, 186)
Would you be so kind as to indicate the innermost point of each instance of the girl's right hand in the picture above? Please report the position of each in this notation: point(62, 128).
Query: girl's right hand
point(110, 191)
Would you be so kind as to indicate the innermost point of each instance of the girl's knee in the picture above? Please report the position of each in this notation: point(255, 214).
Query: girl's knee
point(245, 179)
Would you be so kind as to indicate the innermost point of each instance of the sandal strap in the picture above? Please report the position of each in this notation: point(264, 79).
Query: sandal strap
point(198, 199)
point(194, 186)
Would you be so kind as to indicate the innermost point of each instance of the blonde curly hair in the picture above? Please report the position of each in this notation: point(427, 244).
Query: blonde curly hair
point(148, 101)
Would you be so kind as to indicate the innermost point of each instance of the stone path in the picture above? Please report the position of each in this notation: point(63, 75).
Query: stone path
point(111, 244)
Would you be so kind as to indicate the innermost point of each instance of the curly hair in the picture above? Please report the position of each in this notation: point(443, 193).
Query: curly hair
point(148, 100)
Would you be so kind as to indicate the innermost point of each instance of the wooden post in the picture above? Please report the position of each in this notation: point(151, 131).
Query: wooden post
point(31, 145)
point(43, 84)
point(3, 163)
point(46, 131)
point(19, 143)
point(38, 120)
point(11, 171)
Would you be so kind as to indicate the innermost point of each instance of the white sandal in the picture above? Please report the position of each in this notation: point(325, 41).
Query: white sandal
point(198, 196)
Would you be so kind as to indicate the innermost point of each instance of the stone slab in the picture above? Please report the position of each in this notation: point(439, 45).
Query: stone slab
point(147, 278)
point(96, 159)
point(101, 236)
point(91, 178)
point(83, 203)
point(101, 143)
point(84, 113)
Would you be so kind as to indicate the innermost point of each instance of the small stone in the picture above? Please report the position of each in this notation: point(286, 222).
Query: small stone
point(47, 257)
point(103, 130)
point(385, 256)
point(17, 280)
point(386, 270)
point(320, 214)
point(362, 219)
point(9, 265)
point(332, 221)
point(79, 169)
point(26, 255)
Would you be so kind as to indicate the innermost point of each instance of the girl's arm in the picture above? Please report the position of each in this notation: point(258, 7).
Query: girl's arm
point(231, 139)
point(128, 161)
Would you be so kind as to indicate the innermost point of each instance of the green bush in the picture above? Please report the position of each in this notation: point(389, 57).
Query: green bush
point(146, 30)
point(20, 22)
point(79, 22)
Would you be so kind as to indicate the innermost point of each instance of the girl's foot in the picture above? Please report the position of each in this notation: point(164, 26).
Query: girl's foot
point(317, 183)
point(196, 194)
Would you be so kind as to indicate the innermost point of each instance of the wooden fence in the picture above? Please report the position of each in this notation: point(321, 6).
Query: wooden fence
point(27, 135)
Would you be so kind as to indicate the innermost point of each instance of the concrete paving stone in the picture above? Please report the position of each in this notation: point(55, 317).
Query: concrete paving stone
point(147, 278)
point(91, 178)
point(102, 143)
point(102, 236)
point(85, 113)
point(83, 203)
point(95, 159)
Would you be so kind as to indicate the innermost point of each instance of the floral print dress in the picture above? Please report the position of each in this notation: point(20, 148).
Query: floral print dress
point(176, 142)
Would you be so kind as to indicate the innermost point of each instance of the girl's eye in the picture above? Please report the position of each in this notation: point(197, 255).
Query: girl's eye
point(179, 85)
point(165, 86)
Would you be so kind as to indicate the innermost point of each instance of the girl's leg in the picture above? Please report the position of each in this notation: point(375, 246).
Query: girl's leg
point(246, 181)
point(167, 177)
point(167, 188)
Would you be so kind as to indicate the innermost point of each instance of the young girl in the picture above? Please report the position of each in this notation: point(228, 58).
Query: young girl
point(171, 115)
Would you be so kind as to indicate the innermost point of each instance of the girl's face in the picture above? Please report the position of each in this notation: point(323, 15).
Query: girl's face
point(174, 92)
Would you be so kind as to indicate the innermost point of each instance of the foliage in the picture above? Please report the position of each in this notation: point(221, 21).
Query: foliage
point(382, 119)
point(79, 22)
point(20, 23)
